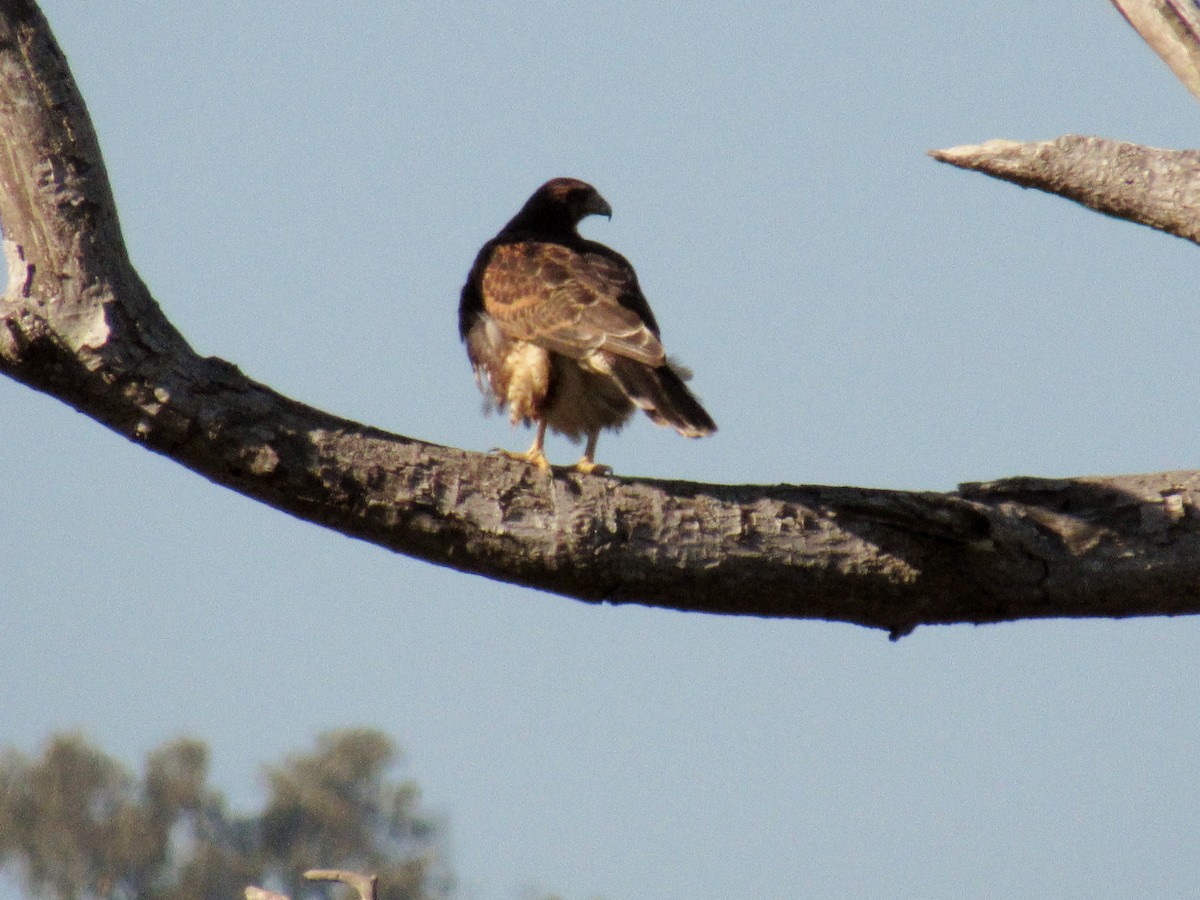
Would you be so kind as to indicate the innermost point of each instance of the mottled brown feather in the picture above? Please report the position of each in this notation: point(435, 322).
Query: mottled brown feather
point(562, 300)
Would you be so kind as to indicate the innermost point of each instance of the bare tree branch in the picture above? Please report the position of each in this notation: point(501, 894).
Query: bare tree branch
point(1159, 188)
point(78, 324)
point(1172, 29)
point(1154, 187)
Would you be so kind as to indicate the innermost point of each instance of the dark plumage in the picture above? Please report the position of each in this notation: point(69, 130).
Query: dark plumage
point(558, 330)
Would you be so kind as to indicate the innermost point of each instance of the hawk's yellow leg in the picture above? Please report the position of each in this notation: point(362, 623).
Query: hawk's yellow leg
point(534, 455)
point(588, 465)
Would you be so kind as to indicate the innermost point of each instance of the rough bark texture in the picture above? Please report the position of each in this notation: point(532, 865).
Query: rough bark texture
point(78, 323)
point(1159, 188)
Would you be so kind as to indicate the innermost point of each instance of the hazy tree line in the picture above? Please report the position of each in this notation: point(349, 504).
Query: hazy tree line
point(75, 823)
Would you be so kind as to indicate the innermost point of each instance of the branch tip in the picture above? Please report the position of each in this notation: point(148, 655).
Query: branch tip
point(974, 156)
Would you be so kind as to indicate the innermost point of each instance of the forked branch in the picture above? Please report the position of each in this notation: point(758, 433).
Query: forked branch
point(78, 324)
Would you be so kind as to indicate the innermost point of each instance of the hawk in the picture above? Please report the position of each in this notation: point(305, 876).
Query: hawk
point(558, 330)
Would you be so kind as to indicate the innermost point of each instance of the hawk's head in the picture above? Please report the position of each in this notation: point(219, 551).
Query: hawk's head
point(560, 204)
point(577, 197)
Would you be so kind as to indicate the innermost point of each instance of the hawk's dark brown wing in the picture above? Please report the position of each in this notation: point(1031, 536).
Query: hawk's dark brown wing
point(568, 301)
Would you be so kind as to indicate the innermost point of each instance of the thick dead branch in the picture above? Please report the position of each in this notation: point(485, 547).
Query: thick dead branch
point(78, 323)
point(1159, 188)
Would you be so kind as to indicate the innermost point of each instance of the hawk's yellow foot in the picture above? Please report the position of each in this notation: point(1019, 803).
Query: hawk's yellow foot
point(534, 456)
point(588, 467)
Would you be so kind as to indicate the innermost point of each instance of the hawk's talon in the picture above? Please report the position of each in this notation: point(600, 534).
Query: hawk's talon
point(587, 467)
point(532, 456)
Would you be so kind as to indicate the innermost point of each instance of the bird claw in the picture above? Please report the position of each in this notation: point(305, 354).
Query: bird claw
point(538, 459)
point(587, 467)
point(534, 457)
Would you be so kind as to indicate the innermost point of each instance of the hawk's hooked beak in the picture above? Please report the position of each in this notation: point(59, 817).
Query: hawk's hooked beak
point(598, 206)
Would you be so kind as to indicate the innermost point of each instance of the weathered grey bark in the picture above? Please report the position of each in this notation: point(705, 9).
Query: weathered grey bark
point(78, 323)
point(1147, 185)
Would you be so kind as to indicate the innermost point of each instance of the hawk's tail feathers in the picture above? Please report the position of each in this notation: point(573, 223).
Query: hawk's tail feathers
point(663, 395)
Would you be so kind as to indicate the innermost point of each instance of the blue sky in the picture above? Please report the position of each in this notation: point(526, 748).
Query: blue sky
point(304, 185)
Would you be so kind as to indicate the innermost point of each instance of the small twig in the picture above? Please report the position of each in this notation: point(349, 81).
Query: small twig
point(364, 885)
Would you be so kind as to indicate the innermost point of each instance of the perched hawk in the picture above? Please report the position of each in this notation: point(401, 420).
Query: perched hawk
point(558, 330)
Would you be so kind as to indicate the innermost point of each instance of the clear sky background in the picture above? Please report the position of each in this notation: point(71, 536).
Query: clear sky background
point(303, 186)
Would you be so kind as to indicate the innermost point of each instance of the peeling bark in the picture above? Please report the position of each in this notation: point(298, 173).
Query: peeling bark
point(78, 323)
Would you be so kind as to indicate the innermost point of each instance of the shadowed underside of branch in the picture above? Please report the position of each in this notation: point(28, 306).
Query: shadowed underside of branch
point(78, 323)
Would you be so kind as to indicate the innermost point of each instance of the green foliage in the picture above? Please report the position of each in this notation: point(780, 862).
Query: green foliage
point(334, 804)
point(76, 825)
